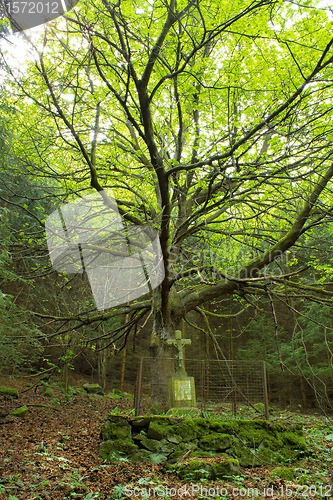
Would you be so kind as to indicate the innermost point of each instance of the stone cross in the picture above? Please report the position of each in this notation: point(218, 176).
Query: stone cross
point(179, 343)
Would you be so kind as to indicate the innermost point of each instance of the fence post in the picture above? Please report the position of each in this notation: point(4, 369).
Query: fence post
point(203, 378)
point(137, 396)
point(264, 381)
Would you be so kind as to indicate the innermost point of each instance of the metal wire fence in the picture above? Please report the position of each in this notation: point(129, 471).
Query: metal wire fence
point(226, 382)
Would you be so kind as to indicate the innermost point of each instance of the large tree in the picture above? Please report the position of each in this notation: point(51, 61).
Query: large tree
point(211, 121)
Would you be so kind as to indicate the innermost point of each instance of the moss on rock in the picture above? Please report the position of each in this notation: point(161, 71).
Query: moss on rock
point(9, 391)
point(222, 427)
point(216, 442)
point(294, 438)
point(255, 437)
point(48, 392)
point(195, 469)
point(115, 427)
point(140, 456)
point(93, 389)
point(201, 468)
point(250, 442)
point(286, 473)
point(182, 449)
point(189, 429)
point(140, 422)
point(20, 412)
point(114, 395)
point(117, 448)
point(150, 444)
point(158, 458)
point(247, 457)
point(161, 428)
point(225, 467)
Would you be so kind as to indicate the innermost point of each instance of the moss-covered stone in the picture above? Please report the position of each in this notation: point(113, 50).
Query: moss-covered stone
point(251, 442)
point(161, 427)
point(115, 427)
point(48, 392)
point(140, 456)
point(168, 428)
point(259, 406)
point(190, 429)
point(93, 388)
point(10, 392)
point(200, 468)
point(140, 422)
point(286, 473)
point(247, 457)
point(216, 442)
point(222, 427)
point(167, 447)
point(150, 444)
point(117, 448)
point(158, 458)
point(182, 449)
point(254, 437)
point(154, 445)
point(195, 469)
point(20, 412)
point(225, 468)
point(113, 395)
point(175, 439)
point(139, 437)
point(205, 454)
point(294, 438)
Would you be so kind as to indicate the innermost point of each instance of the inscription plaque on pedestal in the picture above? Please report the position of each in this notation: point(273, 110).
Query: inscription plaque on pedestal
point(183, 389)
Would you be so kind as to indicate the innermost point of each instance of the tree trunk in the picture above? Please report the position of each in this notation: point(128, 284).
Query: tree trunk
point(303, 391)
point(102, 364)
point(123, 362)
point(122, 372)
point(162, 362)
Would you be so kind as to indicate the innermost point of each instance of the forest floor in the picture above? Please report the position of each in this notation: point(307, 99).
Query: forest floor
point(52, 454)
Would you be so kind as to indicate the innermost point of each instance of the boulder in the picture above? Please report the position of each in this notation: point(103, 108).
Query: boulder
point(93, 389)
point(20, 412)
point(116, 427)
point(286, 473)
point(115, 449)
point(48, 392)
point(10, 392)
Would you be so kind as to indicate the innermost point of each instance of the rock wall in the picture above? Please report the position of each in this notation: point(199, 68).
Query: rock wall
point(163, 439)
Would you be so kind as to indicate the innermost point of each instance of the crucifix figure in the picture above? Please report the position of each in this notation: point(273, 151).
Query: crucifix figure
point(179, 343)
